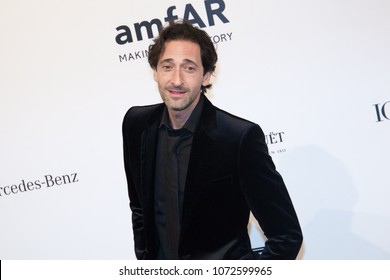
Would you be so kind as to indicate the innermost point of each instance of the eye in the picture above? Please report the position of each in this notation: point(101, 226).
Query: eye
point(190, 68)
point(166, 67)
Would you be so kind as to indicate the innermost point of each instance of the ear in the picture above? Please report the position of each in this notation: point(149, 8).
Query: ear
point(206, 79)
point(155, 74)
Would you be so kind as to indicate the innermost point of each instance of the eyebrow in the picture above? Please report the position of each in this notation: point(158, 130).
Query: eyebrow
point(185, 61)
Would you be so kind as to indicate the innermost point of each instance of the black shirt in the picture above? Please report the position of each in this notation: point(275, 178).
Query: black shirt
point(173, 154)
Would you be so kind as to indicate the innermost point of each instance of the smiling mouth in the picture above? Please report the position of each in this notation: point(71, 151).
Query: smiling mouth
point(176, 92)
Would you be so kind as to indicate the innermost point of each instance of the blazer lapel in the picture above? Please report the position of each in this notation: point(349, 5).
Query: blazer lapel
point(198, 163)
point(148, 156)
point(147, 160)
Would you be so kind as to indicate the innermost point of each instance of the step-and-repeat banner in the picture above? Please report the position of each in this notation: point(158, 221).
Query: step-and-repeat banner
point(314, 74)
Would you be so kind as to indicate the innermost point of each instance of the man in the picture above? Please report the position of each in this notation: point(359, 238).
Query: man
point(195, 172)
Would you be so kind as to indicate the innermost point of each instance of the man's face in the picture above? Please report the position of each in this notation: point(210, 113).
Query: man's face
point(179, 75)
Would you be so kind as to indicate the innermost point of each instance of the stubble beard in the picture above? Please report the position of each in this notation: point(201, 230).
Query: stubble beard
point(178, 104)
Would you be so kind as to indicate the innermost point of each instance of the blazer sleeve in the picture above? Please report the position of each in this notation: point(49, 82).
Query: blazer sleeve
point(135, 202)
point(267, 197)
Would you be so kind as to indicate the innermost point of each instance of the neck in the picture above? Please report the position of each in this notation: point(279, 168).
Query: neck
point(178, 118)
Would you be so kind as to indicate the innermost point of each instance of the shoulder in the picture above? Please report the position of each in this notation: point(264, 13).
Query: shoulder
point(248, 135)
point(216, 117)
point(233, 124)
point(236, 121)
point(140, 116)
point(221, 124)
point(140, 112)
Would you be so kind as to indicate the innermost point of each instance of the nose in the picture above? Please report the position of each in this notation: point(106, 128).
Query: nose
point(177, 79)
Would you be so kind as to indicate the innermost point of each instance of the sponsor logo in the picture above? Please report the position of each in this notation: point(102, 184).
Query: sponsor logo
point(210, 14)
point(275, 142)
point(214, 10)
point(48, 181)
point(382, 111)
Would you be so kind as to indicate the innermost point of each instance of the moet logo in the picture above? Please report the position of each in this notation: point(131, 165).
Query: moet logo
point(273, 138)
point(382, 111)
point(214, 9)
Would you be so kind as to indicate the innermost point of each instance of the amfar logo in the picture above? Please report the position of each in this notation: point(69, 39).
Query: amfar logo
point(382, 111)
point(214, 8)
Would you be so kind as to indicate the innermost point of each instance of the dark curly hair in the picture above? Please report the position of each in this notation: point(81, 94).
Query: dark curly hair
point(183, 30)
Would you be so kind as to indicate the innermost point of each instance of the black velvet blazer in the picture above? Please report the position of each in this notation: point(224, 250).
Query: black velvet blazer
point(230, 174)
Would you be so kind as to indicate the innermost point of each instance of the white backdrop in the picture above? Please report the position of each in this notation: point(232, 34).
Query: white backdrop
point(313, 74)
